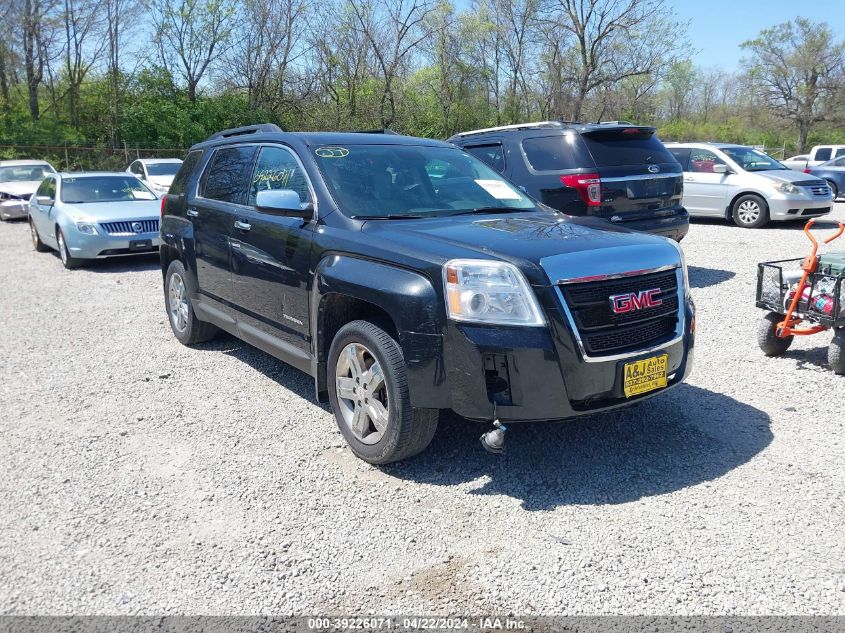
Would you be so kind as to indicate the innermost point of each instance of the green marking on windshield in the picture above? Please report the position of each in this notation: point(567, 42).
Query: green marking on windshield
point(332, 152)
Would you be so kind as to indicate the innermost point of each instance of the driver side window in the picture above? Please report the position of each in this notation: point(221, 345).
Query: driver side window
point(702, 161)
point(47, 188)
point(277, 168)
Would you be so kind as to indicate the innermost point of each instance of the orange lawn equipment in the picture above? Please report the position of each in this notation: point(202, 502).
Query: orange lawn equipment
point(809, 291)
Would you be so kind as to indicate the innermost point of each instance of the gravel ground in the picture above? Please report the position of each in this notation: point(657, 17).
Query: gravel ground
point(140, 476)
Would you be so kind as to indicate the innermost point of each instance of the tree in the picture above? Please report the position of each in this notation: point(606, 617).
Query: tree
point(680, 80)
point(799, 70)
point(82, 24)
point(191, 35)
point(613, 40)
point(394, 29)
point(269, 38)
point(37, 29)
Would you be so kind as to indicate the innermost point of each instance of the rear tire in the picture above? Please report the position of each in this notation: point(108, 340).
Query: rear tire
point(836, 352)
point(187, 328)
point(368, 390)
point(37, 244)
point(767, 338)
point(750, 211)
point(68, 261)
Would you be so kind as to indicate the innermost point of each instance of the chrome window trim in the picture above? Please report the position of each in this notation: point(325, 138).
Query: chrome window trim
point(258, 146)
point(679, 328)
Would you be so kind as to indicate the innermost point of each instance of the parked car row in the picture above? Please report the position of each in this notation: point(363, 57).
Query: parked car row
point(512, 274)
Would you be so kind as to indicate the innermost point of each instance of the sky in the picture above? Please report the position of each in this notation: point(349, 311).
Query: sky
point(718, 27)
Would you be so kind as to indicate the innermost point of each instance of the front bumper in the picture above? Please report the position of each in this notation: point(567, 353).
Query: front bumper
point(14, 209)
point(793, 208)
point(101, 246)
point(532, 373)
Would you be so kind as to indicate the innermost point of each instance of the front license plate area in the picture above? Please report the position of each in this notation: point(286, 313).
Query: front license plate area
point(140, 245)
point(642, 376)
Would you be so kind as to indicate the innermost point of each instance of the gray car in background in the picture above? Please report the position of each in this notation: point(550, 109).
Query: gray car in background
point(746, 185)
point(18, 181)
point(94, 215)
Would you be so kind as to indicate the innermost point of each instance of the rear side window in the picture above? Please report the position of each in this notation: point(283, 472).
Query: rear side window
point(840, 152)
point(228, 175)
point(180, 181)
point(681, 155)
point(823, 153)
point(490, 154)
point(554, 153)
point(613, 148)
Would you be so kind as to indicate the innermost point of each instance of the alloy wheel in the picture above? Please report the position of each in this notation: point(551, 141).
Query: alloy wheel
point(362, 393)
point(749, 211)
point(34, 234)
point(62, 247)
point(177, 299)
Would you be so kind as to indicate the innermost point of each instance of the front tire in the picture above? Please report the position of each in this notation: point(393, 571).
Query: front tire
point(750, 211)
point(833, 188)
point(68, 261)
point(767, 338)
point(187, 328)
point(368, 389)
point(37, 244)
point(836, 352)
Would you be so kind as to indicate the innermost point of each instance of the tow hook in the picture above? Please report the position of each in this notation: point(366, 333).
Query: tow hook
point(493, 440)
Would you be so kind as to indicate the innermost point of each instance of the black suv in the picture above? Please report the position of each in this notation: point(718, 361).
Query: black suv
point(612, 170)
point(406, 276)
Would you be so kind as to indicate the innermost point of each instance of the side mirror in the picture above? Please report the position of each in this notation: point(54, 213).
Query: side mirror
point(284, 202)
point(44, 201)
point(720, 169)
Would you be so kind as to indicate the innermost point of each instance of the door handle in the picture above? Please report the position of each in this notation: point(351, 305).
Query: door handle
point(192, 212)
point(243, 226)
point(689, 179)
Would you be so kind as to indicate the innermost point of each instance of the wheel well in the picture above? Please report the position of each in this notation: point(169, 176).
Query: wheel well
point(730, 208)
point(166, 254)
point(335, 311)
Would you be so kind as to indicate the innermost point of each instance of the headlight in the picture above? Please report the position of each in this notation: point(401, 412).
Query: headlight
point(86, 227)
point(484, 291)
point(786, 187)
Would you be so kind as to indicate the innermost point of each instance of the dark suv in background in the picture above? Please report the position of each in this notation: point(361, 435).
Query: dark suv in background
point(612, 170)
point(406, 276)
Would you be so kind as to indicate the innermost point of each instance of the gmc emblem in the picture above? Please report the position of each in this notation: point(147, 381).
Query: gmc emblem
point(632, 301)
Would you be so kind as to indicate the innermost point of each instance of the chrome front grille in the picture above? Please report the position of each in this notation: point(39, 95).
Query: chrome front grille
point(130, 227)
point(820, 190)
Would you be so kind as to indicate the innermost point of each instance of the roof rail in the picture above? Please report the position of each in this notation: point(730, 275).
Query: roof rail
point(246, 129)
point(516, 126)
point(385, 130)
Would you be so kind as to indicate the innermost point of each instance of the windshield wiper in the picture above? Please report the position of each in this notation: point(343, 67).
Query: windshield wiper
point(482, 210)
point(397, 216)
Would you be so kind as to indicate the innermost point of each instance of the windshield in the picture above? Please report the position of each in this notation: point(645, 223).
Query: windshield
point(388, 181)
point(104, 189)
point(24, 173)
point(163, 169)
point(751, 159)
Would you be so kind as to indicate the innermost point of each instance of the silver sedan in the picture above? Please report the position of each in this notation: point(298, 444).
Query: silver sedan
point(94, 215)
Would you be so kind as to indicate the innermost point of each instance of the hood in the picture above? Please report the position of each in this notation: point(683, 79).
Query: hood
point(780, 175)
point(524, 239)
point(163, 181)
point(115, 211)
point(23, 188)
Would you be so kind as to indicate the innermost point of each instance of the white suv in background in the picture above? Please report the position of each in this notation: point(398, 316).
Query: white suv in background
point(746, 185)
point(156, 173)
